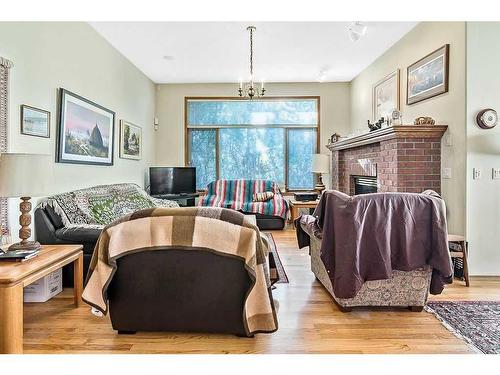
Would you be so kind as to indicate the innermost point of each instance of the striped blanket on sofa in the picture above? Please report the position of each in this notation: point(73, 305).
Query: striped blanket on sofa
point(238, 195)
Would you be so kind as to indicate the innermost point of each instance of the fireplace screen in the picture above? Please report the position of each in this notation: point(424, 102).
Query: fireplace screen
point(365, 185)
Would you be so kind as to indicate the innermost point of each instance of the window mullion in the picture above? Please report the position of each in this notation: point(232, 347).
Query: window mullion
point(217, 153)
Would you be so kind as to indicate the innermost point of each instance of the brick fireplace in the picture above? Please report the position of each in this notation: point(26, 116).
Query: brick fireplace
point(403, 158)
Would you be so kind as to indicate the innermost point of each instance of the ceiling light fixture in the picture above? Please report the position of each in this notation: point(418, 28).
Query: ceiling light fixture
point(356, 30)
point(249, 90)
point(322, 75)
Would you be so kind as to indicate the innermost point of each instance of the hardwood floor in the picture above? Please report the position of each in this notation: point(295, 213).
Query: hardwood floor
point(309, 322)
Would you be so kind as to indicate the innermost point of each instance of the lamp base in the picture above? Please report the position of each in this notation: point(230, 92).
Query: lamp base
point(25, 231)
point(320, 186)
point(28, 245)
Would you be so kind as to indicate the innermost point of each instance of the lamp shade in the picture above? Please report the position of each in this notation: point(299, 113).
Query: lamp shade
point(321, 163)
point(25, 175)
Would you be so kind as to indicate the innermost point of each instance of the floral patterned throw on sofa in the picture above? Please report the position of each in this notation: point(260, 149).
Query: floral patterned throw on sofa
point(101, 205)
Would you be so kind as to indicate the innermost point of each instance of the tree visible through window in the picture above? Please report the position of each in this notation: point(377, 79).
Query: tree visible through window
point(262, 139)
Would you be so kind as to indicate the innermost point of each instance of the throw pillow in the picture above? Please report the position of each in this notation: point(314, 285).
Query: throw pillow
point(263, 197)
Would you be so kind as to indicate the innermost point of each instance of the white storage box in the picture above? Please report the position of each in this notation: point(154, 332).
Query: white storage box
point(44, 289)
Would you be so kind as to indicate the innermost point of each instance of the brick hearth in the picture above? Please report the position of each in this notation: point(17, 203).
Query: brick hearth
point(403, 158)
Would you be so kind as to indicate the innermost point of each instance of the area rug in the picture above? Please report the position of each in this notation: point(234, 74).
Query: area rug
point(275, 262)
point(476, 322)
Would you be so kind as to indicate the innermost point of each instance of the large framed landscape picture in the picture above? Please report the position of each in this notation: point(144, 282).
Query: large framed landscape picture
point(86, 131)
point(130, 140)
point(428, 77)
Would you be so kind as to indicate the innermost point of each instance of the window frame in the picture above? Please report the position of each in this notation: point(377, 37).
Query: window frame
point(187, 150)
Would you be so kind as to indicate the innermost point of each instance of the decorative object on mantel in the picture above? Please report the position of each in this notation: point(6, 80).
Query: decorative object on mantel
point(320, 164)
point(25, 176)
point(428, 77)
point(35, 121)
point(386, 94)
point(334, 137)
point(487, 118)
point(249, 90)
point(396, 117)
point(86, 131)
point(424, 121)
point(377, 125)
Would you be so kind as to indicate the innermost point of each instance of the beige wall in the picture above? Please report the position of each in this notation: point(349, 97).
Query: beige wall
point(51, 55)
point(448, 109)
point(334, 107)
point(483, 149)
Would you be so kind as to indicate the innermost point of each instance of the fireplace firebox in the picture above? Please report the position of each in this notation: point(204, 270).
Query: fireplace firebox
point(364, 184)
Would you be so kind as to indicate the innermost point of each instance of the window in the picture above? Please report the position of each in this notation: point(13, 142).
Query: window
point(262, 139)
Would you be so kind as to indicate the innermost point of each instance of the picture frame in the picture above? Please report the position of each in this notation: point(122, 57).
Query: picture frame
point(429, 76)
point(130, 141)
point(386, 96)
point(35, 121)
point(85, 131)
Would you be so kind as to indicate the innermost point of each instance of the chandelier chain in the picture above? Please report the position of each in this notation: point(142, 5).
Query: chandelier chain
point(251, 54)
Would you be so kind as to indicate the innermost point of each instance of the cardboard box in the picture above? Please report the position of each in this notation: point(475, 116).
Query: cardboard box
point(44, 289)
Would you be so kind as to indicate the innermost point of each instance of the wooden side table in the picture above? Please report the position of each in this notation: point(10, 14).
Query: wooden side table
point(14, 276)
point(464, 254)
point(295, 205)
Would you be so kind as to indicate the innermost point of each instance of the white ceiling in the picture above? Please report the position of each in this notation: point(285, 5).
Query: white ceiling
point(206, 52)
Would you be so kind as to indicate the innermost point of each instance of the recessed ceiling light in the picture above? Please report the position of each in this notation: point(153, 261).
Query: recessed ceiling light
point(168, 57)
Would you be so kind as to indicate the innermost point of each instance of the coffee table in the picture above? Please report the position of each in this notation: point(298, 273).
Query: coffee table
point(14, 276)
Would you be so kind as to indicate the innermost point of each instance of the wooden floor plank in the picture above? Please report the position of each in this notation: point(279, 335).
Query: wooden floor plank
point(309, 322)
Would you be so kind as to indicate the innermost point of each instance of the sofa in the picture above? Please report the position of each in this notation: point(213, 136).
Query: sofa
point(239, 195)
point(383, 249)
point(78, 217)
point(184, 269)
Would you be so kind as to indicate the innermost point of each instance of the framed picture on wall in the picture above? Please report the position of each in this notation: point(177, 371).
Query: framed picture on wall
point(35, 121)
point(386, 95)
point(130, 140)
point(428, 77)
point(86, 131)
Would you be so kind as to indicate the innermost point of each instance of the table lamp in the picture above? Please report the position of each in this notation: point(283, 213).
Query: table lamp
point(320, 164)
point(25, 176)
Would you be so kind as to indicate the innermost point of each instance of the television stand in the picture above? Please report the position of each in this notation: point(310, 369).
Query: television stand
point(188, 197)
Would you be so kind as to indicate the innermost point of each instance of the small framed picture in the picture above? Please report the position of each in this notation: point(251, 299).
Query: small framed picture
point(428, 77)
point(35, 121)
point(130, 141)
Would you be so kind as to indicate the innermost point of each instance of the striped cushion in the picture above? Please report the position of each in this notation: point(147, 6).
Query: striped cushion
point(262, 197)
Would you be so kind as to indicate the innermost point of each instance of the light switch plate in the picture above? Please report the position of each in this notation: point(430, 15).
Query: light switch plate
point(446, 172)
point(495, 173)
point(476, 173)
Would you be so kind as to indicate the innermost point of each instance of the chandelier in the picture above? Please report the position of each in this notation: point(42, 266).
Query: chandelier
point(249, 90)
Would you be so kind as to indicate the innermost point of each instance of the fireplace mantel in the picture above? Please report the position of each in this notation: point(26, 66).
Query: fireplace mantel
point(397, 131)
point(403, 158)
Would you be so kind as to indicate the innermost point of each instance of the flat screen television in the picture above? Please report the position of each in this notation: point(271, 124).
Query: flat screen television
point(172, 180)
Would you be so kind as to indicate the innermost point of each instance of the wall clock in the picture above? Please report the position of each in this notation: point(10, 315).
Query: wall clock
point(487, 118)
